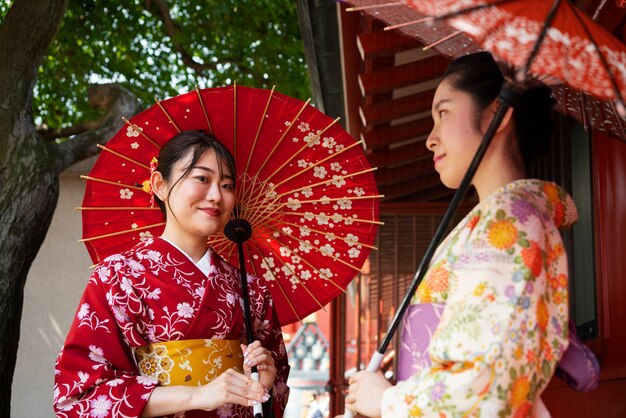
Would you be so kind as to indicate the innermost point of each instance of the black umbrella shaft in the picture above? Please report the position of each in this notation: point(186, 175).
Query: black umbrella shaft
point(509, 95)
point(246, 294)
point(246, 306)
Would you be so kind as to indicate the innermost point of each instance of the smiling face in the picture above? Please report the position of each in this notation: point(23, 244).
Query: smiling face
point(455, 136)
point(199, 203)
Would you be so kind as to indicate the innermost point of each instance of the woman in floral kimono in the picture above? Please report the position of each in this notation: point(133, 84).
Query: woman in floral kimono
point(159, 328)
point(499, 280)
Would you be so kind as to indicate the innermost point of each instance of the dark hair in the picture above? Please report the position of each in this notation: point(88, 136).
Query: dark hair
point(195, 143)
point(479, 76)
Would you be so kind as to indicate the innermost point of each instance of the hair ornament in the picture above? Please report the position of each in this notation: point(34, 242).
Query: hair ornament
point(146, 185)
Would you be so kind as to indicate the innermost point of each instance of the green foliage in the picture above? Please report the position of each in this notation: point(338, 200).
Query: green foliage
point(253, 42)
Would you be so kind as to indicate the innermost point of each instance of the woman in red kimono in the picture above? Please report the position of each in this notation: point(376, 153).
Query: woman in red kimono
point(159, 328)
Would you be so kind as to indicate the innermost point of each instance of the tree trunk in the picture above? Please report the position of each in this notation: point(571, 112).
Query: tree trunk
point(28, 177)
point(30, 165)
point(28, 201)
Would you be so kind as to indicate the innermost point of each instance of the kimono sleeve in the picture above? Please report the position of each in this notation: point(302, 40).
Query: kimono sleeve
point(504, 327)
point(95, 374)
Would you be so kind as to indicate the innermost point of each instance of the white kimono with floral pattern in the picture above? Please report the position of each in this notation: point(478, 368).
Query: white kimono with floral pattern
point(502, 275)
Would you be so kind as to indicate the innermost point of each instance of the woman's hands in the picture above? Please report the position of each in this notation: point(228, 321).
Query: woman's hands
point(229, 387)
point(366, 392)
point(256, 355)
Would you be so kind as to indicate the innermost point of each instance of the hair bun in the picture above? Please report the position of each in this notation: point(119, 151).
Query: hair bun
point(533, 122)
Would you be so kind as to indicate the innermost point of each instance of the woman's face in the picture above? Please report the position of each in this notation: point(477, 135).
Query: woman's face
point(201, 202)
point(455, 137)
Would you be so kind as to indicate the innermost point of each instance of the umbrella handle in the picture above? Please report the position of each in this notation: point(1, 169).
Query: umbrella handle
point(258, 407)
point(239, 230)
point(373, 366)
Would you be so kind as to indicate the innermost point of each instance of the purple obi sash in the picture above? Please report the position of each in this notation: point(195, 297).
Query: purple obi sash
point(578, 367)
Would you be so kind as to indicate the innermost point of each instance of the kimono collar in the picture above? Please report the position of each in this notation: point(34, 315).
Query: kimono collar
point(204, 264)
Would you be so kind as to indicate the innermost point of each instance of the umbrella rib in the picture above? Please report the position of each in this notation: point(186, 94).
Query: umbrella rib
point(247, 202)
point(264, 214)
point(111, 182)
point(472, 9)
point(125, 231)
point(326, 182)
point(258, 131)
point(448, 15)
point(373, 6)
point(542, 35)
point(102, 147)
point(581, 111)
point(617, 118)
point(342, 218)
point(278, 284)
point(294, 274)
point(116, 208)
point(293, 121)
point(317, 163)
point(206, 115)
point(158, 102)
point(409, 23)
point(616, 90)
point(305, 146)
point(317, 231)
point(259, 198)
point(319, 273)
point(333, 199)
point(235, 119)
point(138, 129)
point(320, 251)
point(442, 40)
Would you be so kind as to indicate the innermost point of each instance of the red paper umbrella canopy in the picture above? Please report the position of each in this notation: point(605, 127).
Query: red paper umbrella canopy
point(582, 61)
point(303, 183)
point(512, 30)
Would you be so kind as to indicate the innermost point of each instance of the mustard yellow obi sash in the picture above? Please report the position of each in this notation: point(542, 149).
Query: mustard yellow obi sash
point(188, 362)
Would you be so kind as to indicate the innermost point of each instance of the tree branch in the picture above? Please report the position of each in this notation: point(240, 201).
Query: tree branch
point(119, 102)
point(172, 31)
point(52, 134)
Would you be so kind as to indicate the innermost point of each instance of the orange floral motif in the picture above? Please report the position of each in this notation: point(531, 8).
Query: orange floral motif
point(542, 315)
point(472, 222)
point(502, 234)
point(552, 192)
point(547, 351)
point(530, 356)
point(562, 280)
point(554, 282)
point(438, 279)
point(524, 411)
point(532, 258)
point(558, 298)
point(556, 252)
point(519, 392)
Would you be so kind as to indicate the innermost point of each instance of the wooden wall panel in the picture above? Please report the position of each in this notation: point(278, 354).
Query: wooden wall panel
point(609, 399)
